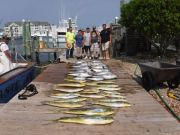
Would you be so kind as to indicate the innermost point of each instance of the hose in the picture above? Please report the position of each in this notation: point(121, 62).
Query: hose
point(167, 106)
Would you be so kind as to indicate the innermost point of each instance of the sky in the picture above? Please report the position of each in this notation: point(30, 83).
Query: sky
point(89, 12)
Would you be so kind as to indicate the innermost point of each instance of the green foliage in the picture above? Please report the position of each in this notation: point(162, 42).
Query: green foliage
point(158, 20)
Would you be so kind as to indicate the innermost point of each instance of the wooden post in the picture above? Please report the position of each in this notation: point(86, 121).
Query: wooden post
point(24, 38)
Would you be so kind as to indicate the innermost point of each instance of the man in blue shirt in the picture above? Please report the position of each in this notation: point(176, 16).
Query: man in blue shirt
point(79, 44)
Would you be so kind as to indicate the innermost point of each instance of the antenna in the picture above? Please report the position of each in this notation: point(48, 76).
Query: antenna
point(61, 10)
point(76, 18)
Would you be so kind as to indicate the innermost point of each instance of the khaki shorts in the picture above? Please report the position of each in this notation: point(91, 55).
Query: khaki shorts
point(95, 47)
point(78, 51)
point(105, 46)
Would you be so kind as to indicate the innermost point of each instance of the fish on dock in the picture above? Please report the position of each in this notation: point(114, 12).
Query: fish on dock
point(64, 105)
point(113, 104)
point(90, 91)
point(78, 85)
point(110, 76)
point(90, 120)
point(106, 82)
point(108, 85)
point(68, 90)
point(109, 88)
point(75, 81)
point(112, 100)
point(91, 96)
point(79, 99)
point(64, 96)
point(91, 111)
point(114, 96)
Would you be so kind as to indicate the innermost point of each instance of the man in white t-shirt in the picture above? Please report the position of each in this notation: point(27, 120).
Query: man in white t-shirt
point(87, 42)
point(5, 57)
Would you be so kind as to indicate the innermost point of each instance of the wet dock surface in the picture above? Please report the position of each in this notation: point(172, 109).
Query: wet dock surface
point(145, 117)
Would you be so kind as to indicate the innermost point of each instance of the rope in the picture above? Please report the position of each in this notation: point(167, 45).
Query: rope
point(30, 88)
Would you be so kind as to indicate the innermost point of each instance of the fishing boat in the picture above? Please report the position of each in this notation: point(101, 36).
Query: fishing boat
point(59, 32)
point(11, 82)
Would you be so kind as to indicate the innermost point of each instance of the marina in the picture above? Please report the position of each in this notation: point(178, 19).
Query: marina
point(76, 68)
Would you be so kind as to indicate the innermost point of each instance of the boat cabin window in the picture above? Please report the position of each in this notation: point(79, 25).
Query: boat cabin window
point(61, 33)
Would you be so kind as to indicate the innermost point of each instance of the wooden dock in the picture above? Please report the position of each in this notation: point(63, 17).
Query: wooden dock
point(29, 117)
point(49, 50)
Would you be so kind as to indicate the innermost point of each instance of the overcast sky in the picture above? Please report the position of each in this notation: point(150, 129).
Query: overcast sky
point(89, 12)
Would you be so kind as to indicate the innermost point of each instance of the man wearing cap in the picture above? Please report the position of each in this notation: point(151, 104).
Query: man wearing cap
point(5, 57)
point(70, 39)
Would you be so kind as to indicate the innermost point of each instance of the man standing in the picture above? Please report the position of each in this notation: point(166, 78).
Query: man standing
point(5, 57)
point(94, 43)
point(70, 39)
point(79, 44)
point(105, 41)
point(87, 43)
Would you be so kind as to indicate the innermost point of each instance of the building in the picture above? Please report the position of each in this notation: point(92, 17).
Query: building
point(38, 28)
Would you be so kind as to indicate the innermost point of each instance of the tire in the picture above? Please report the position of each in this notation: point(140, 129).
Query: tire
point(148, 81)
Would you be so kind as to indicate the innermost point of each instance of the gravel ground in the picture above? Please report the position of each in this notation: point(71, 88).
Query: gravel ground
point(130, 66)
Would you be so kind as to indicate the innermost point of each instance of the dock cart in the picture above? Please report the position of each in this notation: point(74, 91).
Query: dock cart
point(154, 73)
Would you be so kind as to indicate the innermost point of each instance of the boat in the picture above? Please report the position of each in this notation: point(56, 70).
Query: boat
point(13, 81)
point(59, 32)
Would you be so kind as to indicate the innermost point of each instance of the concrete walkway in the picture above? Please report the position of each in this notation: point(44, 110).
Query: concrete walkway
point(30, 117)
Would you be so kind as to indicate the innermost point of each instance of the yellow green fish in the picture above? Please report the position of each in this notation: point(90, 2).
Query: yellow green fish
point(90, 111)
point(92, 96)
point(114, 96)
point(105, 82)
point(78, 85)
point(64, 105)
point(91, 84)
point(112, 100)
point(111, 92)
point(90, 91)
point(108, 88)
point(113, 104)
point(69, 90)
point(108, 85)
point(79, 99)
point(91, 120)
point(64, 96)
point(75, 81)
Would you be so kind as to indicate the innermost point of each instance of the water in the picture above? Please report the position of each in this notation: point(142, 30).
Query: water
point(44, 57)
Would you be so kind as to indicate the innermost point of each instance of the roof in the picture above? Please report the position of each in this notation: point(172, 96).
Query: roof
point(33, 22)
